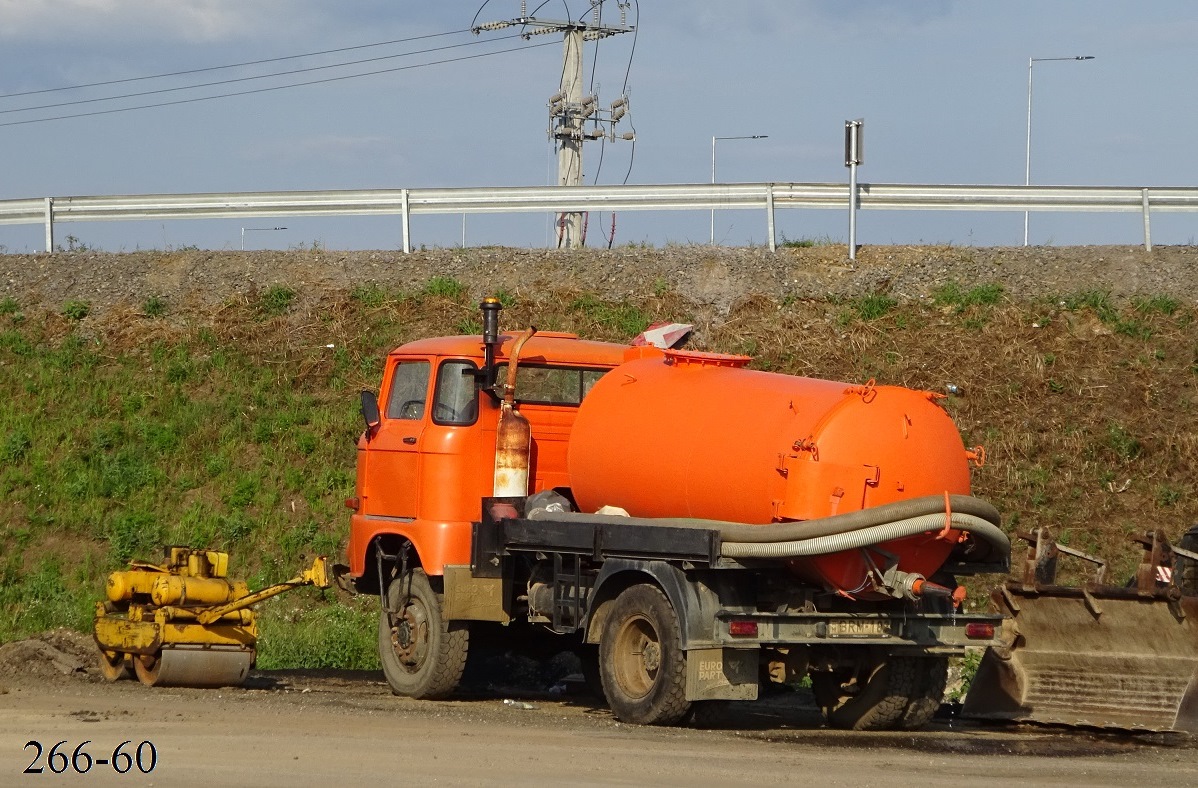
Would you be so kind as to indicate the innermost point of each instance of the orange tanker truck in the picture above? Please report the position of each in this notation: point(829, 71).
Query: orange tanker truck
point(690, 527)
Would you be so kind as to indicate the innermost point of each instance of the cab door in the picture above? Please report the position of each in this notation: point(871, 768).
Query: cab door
point(393, 488)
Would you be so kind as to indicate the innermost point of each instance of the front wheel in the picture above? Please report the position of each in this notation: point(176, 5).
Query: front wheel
point(641, 661)
point(423, 655)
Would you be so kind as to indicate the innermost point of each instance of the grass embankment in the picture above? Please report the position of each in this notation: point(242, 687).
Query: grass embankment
point(234, 429)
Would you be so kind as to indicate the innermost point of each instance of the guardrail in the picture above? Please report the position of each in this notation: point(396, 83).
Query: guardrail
point(555, 199)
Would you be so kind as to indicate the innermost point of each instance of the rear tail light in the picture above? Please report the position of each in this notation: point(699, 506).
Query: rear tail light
point(742, 629)
point(353, 503)
point(979, 631)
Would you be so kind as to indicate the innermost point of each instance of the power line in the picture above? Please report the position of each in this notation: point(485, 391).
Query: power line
point(230, 65)
point(276, 87)
point(236, 80)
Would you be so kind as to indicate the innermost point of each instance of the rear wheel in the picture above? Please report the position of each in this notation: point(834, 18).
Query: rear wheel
point(882, 693)
point(1185, 570)
point(423, 655)
point(641, 660)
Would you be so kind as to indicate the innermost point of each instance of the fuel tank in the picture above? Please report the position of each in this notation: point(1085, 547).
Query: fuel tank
point(687, 434)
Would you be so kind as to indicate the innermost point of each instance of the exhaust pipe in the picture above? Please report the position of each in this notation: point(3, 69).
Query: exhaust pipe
point(513, 435)
point(490, 307)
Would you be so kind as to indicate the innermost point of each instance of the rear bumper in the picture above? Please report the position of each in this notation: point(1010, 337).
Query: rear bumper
point(925, 634)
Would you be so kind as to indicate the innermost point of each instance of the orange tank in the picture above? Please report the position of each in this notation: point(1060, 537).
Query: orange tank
point(685, 434)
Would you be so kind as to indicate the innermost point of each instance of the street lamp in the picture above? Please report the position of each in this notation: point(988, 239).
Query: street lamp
point(713, 141)
point(1027, 172)
point(256, 230)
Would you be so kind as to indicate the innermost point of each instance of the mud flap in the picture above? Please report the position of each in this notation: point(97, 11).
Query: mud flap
point(721, 674)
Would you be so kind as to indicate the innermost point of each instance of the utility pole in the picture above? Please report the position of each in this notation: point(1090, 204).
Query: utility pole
point(570, 111)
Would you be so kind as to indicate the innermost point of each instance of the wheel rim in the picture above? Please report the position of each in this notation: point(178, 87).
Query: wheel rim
point(409, 635)
point(637, 656)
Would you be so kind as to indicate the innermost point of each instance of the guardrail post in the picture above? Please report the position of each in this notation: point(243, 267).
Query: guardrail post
point(1147, 220)
point(49, 225)
point(403, 207)
point(769, 215)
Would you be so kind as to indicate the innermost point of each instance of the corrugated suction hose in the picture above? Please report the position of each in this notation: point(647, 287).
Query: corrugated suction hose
point(863, 537)
point(829, 534)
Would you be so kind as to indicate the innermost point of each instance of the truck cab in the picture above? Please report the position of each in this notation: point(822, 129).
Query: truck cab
point(427, 462)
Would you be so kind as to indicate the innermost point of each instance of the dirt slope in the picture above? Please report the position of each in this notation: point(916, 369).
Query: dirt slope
point(713, 277)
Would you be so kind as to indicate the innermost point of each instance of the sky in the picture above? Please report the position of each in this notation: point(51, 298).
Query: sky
point(941, 84)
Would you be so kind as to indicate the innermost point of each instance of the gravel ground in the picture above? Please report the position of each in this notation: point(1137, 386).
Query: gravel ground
point(712, 277)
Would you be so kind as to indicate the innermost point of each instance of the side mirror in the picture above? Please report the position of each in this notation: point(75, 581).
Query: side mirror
point(370, 412)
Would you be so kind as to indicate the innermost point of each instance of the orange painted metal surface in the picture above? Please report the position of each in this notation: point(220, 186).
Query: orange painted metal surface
point(678, 434)
point(424, 481)
point(664, 434)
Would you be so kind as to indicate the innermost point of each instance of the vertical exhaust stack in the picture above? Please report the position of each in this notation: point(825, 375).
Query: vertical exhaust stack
point(513, 435)
point(491, 308)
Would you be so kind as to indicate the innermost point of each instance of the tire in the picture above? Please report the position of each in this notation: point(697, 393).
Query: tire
point(1185, 570)
point(641, 661)
point(888, 693)
point(423, 656)
point(931, 680)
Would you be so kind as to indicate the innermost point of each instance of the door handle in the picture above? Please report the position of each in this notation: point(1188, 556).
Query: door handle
point(410, 440)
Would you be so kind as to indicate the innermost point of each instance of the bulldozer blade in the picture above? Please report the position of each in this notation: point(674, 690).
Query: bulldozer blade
point(1100, 656)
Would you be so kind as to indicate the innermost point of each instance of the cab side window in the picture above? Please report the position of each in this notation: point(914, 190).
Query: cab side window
point(409, 389)
point(456, 400)
point(546, 385)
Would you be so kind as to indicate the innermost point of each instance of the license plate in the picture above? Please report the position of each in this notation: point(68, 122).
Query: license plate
point(859, 629)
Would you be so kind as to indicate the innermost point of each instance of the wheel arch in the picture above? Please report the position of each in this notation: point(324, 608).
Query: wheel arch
point(693, 604)
point(390, 543)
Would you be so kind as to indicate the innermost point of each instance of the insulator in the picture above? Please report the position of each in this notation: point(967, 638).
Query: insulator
point(628, 135)
point(620, 102)
point(618, 113)
point(556, 97)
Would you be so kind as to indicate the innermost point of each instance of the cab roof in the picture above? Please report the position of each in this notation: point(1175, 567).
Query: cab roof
point(550, 347)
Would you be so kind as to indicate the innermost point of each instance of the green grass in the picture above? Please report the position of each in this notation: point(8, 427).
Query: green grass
point(444, 287)
point(625, 319)
point(952, 294)
point(331, 635)
point(276, 300)
point(873, 306)
point(154, 306)
point(76, 310)
point(120, 450)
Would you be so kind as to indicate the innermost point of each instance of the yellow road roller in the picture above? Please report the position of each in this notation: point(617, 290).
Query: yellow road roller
point(184, 623)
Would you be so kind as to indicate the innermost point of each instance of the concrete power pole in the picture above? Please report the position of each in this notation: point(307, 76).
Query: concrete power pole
point(569, 109)
point(569, 136)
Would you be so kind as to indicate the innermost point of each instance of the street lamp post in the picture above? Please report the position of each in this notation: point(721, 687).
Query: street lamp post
point(256, 230)
point(1027, 172)
point(713, 141)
